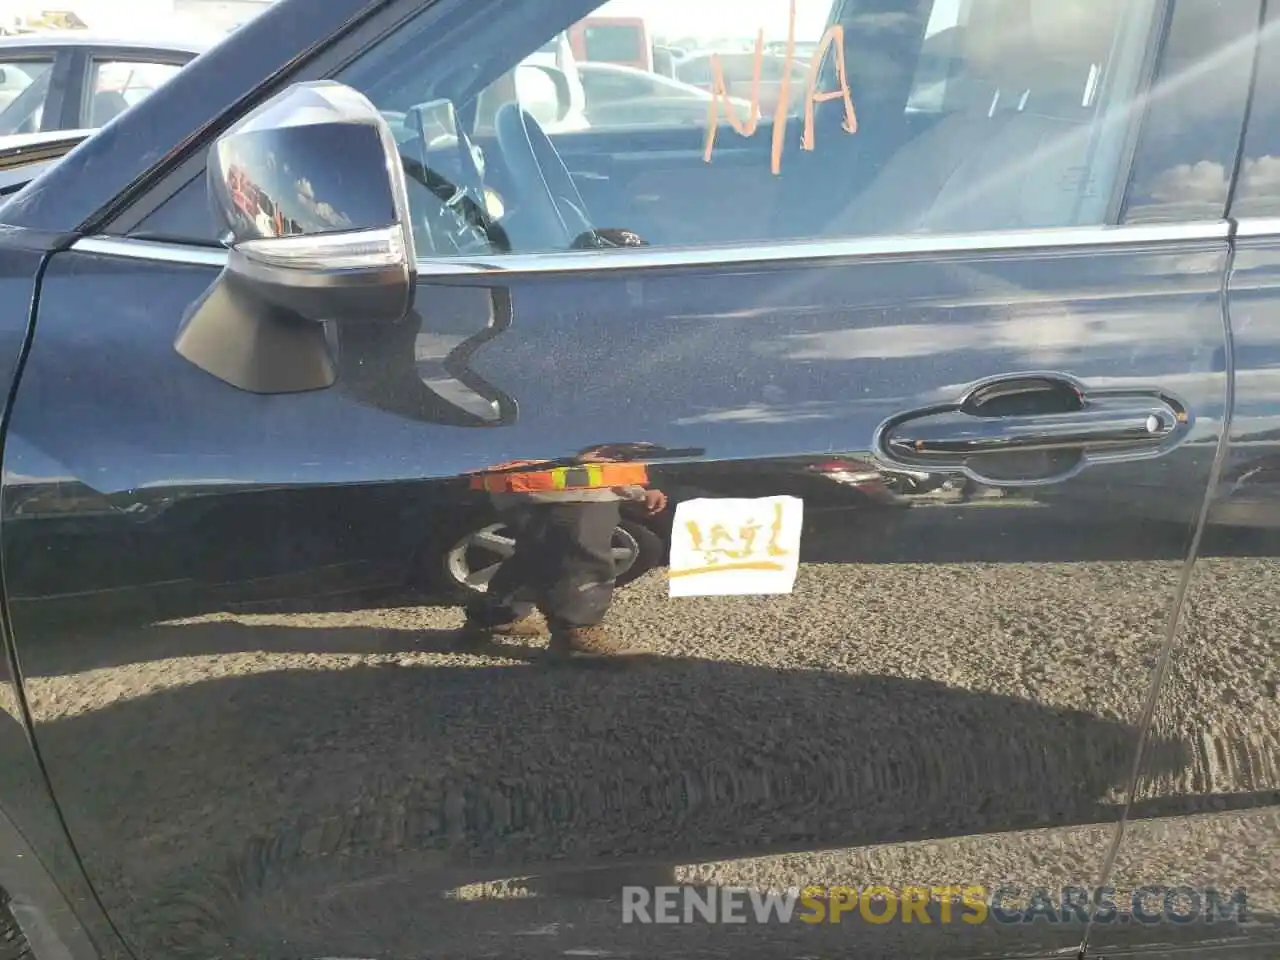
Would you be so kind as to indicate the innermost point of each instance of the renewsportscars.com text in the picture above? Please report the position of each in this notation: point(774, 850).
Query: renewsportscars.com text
point(941, 904)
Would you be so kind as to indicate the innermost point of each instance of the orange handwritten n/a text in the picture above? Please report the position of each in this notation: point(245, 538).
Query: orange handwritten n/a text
point(720, 93)
point(834, 37)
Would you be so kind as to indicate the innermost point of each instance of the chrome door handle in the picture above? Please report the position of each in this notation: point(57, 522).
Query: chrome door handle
point(1093, 429)
point(1034, 413)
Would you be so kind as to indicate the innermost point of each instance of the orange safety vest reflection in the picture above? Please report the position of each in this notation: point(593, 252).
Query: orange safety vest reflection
point(588, 476)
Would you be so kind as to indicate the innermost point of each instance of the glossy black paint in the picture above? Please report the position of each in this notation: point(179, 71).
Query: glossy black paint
point(366, 485)
point(970, 684)
point(39, 870)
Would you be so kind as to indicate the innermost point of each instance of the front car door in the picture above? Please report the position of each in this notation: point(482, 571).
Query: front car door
point(981, 347)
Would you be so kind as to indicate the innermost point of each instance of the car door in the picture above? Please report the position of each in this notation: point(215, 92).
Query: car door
point(1219, 685)
point(1009, 317)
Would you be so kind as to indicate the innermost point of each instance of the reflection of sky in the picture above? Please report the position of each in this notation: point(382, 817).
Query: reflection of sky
point(309, 196)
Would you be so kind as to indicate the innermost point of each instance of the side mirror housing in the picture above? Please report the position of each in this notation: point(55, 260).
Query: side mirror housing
point(310, 191)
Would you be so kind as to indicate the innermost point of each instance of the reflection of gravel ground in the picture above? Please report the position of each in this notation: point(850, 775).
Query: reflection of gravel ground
point(926, 704)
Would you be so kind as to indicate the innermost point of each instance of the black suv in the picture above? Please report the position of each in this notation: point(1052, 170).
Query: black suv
point(935, 406)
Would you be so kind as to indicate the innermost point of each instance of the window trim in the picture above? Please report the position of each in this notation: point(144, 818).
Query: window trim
point(1257, 227)
point(629, 260)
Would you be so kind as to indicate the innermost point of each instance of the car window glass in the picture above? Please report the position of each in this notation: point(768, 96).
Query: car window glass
point(1258, 189)
point(1040, 102)
point(1029, 135)
point(693, 69)
point(24, 85)
point(1191, 135)
point(116, 85)
point(940, 56)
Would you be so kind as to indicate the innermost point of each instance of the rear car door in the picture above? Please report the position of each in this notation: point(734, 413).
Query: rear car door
point(986, 351)
point(1213, 825)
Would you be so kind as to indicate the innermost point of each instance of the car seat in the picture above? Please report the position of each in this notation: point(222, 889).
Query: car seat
point(1015, 153)
point(106, 106)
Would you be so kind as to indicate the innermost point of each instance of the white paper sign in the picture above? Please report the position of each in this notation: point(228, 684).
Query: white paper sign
point(735, 547)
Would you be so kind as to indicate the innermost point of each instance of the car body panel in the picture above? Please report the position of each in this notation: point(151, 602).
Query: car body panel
point(384, 451)
point(40, 872)
point(1219, 677)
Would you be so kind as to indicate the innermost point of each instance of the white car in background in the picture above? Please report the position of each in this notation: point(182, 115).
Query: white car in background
point(621, 96)
point(97, 77)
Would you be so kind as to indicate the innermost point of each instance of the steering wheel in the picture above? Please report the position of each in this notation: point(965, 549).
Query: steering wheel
point(461, 222)
point(553, 213)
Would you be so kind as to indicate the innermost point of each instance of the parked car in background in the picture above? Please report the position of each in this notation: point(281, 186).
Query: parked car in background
point(739, 76)
point(618, 95)
point(75, 80)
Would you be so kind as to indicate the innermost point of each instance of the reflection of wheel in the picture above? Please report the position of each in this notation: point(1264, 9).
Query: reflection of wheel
point(908, 484)
point(471, 561)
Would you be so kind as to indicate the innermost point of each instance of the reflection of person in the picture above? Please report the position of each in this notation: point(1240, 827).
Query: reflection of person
point(563, 518)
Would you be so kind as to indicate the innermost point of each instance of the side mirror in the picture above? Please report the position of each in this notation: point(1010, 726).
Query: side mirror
point(544, 91)
point(310, 191)
point(4, 77)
